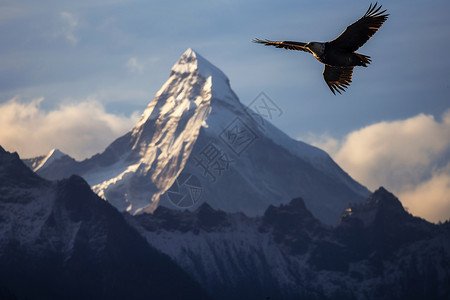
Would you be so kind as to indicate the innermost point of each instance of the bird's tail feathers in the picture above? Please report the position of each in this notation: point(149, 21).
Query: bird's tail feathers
point(364, 60)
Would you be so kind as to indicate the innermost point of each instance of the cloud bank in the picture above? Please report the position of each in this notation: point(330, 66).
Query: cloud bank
point(409, 157)
point(80, 129)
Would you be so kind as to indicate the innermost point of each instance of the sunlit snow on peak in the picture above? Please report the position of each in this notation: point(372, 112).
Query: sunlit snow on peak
point(191, 61)
point(53, 155)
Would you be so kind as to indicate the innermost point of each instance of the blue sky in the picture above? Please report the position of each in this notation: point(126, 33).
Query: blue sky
point(95, 65)
point(66, 50)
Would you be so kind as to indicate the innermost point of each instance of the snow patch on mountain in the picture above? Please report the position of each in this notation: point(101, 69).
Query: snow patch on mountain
point(53, 155)
point(41, 162)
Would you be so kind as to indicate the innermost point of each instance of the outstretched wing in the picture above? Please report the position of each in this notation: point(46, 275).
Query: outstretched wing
point(357, 34)
point(337, 78)
point(290, 45)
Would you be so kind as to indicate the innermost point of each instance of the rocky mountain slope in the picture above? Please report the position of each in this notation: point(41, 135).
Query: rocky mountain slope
point(377, 251)
point(59, 240)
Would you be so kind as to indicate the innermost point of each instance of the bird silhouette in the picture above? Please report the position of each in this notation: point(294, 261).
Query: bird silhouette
point(338, 55)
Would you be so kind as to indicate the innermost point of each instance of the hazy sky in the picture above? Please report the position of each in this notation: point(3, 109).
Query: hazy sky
point(77, 74)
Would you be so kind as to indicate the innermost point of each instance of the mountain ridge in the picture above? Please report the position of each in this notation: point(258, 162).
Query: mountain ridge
point(59, 240)
point(196, 126)
point(289, 254)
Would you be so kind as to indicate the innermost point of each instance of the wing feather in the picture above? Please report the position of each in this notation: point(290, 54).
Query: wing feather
point(290, 45)
point(337, 78)
point(358, 33)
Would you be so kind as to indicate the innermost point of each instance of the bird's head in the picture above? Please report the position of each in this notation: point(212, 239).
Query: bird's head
point(316, 47)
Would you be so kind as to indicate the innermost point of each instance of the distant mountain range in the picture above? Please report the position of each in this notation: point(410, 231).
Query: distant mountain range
point(197, 128)
point(376, 251)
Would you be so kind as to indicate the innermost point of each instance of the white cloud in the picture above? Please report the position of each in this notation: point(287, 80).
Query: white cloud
point(431, 198)
point(80, 129)
point(68, 27)
point(409, 157)
point(133, 65)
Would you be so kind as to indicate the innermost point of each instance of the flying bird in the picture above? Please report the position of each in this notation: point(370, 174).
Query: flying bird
point(338, 55)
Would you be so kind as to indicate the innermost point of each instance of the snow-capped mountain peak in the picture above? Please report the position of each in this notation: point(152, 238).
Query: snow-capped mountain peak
point(196, 142)
point(53, 155)
point(191, 62)
point(41, 162)
point(191, 71)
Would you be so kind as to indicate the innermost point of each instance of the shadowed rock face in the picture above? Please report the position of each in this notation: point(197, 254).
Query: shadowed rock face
point(204, 218)
point(375, 251)
point(293, 226)
point(60, 240)
point(383, 223)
